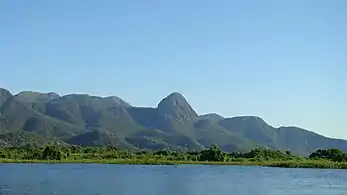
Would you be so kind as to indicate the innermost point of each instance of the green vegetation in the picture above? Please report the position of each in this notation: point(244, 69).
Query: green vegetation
point(329, 158)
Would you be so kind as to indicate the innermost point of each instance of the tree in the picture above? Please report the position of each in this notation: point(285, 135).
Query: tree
point(51, 153)
point(331, 154)
point(213, 154)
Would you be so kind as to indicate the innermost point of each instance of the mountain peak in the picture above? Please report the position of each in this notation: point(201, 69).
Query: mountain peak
point(211, 116)
point(118, 101)
point(4, 92)
point(4, 95)
point(175, 95)
point(32, 97)
point(251, 120)
point(177, 106)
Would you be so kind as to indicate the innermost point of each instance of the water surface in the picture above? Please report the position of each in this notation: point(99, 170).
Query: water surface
point(101, 179)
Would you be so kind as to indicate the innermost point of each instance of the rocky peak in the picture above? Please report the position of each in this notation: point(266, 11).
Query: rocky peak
point(4, 95)
point(177, 107)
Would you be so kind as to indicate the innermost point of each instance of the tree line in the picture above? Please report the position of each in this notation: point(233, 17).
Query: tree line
point(214, 153)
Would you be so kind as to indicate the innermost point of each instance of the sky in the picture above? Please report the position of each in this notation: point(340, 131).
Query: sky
point(284, 61)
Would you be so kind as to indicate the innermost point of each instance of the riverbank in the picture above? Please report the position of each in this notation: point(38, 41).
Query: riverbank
point(318, 164)
point(327, 158)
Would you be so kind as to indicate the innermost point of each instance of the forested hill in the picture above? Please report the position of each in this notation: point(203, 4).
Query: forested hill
point(37, 118)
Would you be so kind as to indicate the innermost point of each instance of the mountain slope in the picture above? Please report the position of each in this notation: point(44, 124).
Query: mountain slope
point(22, 138)
point(99, 138)
point(301, 141)
point(18, 116)
point(110, 121)
point(253, 128)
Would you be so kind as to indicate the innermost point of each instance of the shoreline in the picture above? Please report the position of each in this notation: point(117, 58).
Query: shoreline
point(315, 164)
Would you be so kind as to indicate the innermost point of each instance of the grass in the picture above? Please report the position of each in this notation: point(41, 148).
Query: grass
point(321, 164)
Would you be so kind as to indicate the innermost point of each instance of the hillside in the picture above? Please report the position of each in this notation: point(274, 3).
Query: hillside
point(37, 118)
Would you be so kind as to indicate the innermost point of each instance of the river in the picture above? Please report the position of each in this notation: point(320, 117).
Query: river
point(103, 179)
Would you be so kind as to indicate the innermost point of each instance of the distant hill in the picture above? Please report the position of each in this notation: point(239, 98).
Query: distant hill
point(38, 118)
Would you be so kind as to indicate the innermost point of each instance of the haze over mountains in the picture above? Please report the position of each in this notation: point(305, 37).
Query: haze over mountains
point(37, 118)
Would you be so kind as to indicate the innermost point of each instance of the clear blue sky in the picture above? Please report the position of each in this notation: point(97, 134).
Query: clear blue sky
point(285, 61)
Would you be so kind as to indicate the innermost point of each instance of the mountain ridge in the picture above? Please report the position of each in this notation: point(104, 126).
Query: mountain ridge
point(92, 120)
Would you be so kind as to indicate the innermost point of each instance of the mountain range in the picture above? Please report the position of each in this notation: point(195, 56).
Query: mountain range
point(37, 118)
